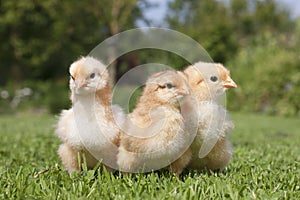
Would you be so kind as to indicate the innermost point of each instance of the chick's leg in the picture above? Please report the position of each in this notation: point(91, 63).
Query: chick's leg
point(92, 162)
point(127, 161)
point(69, 158)
point(219, 156)
point(178, 165)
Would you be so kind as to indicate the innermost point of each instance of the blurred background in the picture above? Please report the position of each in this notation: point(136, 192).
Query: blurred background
point(258, 40)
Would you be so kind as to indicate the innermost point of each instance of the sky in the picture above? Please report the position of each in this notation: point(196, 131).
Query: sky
point(293, 5)
point(156, 14)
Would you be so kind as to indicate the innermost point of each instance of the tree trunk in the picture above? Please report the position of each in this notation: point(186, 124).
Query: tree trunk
point(112, 68)
point(16, 75)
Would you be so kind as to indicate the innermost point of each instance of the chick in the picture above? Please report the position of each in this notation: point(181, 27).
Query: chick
point(153, 134)
point(88, 127)
point(211, 148)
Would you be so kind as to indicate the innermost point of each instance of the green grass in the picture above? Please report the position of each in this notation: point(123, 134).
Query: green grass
point(266, 165)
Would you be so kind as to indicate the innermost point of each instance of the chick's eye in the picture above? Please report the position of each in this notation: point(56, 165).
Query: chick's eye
point(72, 77)
point(213, 78)
point(92, 75)
point(169, 85)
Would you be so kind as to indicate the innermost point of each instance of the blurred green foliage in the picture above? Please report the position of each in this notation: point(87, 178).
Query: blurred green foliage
point(268, 75)
point(257, 40)
point(42, 38)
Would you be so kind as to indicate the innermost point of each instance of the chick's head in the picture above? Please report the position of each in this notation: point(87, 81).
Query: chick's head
point(87, 75)
point(208, 81)
point(168, 87)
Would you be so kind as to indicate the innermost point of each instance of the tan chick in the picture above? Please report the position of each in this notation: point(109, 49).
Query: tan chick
point(153, 134)
point(88, 127)
point(211, 148)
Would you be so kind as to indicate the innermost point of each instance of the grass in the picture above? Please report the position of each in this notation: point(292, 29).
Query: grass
point(266, 165)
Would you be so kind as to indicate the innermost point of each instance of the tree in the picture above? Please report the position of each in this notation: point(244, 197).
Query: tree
point(116, 16)
point(208, 22)
point(42, 38)
point(222, 28)
point(253, 17)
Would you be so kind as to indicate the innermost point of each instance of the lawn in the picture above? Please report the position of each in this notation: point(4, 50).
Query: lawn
point(266, 165)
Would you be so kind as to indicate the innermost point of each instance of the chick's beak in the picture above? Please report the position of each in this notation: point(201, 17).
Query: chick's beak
point(81, 84)
point(229, 83)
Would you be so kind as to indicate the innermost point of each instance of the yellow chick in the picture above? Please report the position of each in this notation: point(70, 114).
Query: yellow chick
point(88, 127)
point(211, 148)
point(153, 135)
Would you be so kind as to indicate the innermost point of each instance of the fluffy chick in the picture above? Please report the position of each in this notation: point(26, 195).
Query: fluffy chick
point(88, 127)
point(153, 134)
point(211, 148)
